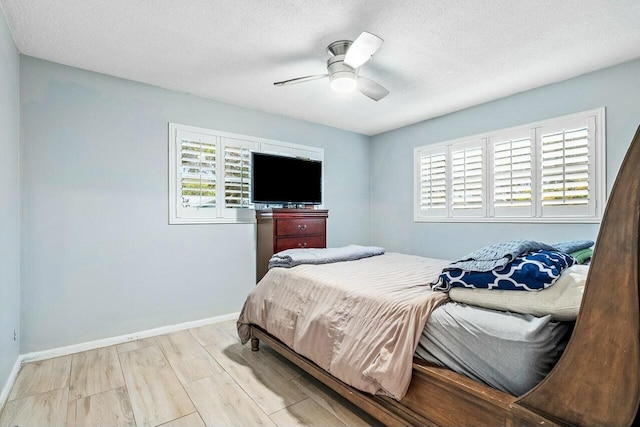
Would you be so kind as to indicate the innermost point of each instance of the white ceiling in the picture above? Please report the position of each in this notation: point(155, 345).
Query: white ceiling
point(439, 56)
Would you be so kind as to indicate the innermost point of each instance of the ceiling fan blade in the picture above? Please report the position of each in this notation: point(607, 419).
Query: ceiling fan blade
point(301, 79)
point(362, 49)
point(371, 89)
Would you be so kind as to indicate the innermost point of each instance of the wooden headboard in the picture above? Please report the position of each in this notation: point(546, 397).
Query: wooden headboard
point(597, 380)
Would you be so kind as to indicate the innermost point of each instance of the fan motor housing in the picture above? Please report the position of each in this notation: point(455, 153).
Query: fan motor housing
point(336, 64)
point(339, 47)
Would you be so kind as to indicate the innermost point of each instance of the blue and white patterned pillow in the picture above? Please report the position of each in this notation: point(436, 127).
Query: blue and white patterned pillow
point(529, 272)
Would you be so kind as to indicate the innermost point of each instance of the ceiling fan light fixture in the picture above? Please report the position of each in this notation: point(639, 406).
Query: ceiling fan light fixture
point(344, 65)
point(343, 81)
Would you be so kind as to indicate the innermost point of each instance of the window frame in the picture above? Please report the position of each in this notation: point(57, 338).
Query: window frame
point(222, 214)
point(595, 121)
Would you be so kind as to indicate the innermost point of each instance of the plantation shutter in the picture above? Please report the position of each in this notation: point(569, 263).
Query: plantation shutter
point(548, 171)
point(236, 175)
point(567, 164)
point(197, 174)
point(431, 175)
point(468, 179)
point(512, 177)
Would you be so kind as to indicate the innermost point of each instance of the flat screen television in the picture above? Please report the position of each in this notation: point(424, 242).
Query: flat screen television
point(285, 180)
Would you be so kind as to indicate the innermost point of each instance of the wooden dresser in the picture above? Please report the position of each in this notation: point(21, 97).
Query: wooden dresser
point(280, 229)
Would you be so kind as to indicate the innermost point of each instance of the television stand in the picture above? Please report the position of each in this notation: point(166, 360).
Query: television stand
point(288, 228)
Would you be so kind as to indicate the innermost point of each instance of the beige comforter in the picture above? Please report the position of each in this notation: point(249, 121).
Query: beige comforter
point(359, 320)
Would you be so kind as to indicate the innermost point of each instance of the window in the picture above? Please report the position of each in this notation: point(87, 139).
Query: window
point(210, 173)
point(432, 200)
point(566, 168)
point(550, 171)
point(237, 178)
point(467, 178)
point(512, 181)
point(197, 171)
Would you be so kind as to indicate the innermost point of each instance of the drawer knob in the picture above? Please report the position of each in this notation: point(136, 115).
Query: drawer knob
point(302, 245)
point(302, 226)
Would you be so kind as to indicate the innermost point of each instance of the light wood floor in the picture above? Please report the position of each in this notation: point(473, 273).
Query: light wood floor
point(193, 378)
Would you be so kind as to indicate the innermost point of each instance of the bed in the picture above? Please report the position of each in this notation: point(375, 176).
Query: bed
point(595, 382)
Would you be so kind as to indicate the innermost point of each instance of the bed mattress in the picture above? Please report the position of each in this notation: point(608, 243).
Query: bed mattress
point(508, 351)
point(358, 320)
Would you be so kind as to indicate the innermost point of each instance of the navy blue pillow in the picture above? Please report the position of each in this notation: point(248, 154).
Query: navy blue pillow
point(529, 272)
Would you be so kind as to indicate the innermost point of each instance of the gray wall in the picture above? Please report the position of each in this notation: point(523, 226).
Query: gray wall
point(392, 226)
point(99, 258)
point(9, 200)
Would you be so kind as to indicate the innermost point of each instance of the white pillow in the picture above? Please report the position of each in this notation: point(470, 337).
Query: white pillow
point(561, 300)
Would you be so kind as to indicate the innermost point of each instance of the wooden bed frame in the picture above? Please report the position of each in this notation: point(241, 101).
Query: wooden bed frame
point(596, 382)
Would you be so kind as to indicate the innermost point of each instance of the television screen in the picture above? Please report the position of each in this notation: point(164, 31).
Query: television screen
point(279, 179)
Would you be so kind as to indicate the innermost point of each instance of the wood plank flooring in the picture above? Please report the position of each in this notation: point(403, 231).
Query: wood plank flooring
point(93, 372)
point(194, 378)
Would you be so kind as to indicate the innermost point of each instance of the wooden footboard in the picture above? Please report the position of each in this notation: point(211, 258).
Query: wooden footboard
point(596, 382)
point(375, 406)
point(436, 396)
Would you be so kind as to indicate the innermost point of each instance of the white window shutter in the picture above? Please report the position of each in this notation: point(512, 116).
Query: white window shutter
point(431, 183)
point(196, 157)
point(468, 166)
point(236, 175)
point(567, 155)
point(548, 171)
point(198, 174)
point(512, 180)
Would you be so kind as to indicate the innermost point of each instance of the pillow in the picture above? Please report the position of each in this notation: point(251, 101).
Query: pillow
point(583, 255)
point(561, 301)
point(528, 272)
point(572, 245)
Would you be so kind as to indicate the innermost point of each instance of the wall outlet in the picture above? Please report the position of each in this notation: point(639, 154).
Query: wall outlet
point(15, 335)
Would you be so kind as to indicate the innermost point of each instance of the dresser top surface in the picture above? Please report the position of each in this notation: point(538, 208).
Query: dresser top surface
point(291, 213)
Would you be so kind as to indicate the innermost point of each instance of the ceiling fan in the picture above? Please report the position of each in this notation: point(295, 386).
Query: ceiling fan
point(344, 65)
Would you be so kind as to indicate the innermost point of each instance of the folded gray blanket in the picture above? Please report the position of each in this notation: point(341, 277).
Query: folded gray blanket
point(293, 257)
point(573, 245)
point(497, 255)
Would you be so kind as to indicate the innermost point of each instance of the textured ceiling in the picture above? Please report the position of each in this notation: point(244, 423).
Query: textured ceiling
point(439, 56)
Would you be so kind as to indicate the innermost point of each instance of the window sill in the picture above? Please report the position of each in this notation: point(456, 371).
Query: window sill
point(529, 220)
point(177, 221)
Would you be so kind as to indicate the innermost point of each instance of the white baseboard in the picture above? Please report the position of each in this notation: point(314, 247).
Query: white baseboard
point(4, 394)
point(105, 342)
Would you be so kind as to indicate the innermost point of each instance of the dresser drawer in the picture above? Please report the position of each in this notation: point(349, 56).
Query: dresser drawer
point(299, 242)
point(300, 227)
